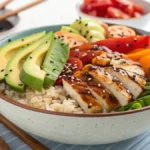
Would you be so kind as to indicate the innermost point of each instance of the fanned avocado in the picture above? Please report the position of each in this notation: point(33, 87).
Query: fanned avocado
point(7, 51)
point(69, 29)
point(90, 29)
point(14, 66)
point(55, 60)
point(31, 73)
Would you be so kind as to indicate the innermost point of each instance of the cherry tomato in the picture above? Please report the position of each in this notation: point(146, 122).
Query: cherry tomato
point(73, 64)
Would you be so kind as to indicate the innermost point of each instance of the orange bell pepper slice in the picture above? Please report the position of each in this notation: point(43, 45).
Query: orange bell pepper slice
point(145, 62)
point(137, 55)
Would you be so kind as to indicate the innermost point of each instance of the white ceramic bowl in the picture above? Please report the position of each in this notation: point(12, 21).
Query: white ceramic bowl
point(87, 129)
point(134, 22)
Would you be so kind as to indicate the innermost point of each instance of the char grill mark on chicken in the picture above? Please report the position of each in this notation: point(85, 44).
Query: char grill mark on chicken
point(112, 84)
point(104, 96)
point(79, 91)
point(125, 79)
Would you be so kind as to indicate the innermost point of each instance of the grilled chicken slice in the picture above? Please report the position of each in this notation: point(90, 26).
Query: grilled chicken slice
point(121, 61)
point(134, 87)
point(110, 83)
point(106, 99)
point(79, 91)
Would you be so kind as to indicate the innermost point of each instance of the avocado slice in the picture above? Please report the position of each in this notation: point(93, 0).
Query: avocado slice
point(14, 66)
point(7, 51)
point(55, 61)
point(69, 29)
point(31, 73)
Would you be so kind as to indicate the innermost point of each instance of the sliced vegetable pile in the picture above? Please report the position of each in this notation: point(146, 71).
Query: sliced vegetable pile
point(42, 60)
point(119, 9)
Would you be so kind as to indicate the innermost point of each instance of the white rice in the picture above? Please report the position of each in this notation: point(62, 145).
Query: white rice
point(54, 99)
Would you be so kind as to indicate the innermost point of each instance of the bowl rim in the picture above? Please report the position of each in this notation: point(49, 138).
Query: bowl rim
point(79, 4)
point(14, 102)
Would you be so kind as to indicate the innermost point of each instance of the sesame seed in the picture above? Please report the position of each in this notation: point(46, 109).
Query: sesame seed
point(2, 70)
point(127, 45)
point(135, 39)
point(77, 50)
point(128, 91)
point(86, 24)
point(75, 43)
point(146, 45)
point(99, 85)
point(118, 45)
point(72, 78)
point(74, 67)
point(84, 54)
point(121, 83)
point(90, 105)
point(112, 35)
point(60, 77)
point(89, 92)
point(72, 84)
point(91, 37)
point(104, 91)
point(10, 70)
point(9, 40)
point(89, 79)
point(93, 54)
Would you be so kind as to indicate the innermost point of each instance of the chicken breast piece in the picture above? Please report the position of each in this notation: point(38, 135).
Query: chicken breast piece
point(105, 97)
point(80, 92)
point(110, 83)
point(129, 83)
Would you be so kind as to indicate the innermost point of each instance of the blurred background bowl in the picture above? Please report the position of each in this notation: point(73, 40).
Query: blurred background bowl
point(133, 22)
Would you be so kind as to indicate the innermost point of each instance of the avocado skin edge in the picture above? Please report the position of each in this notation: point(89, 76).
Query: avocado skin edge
point(60, 58)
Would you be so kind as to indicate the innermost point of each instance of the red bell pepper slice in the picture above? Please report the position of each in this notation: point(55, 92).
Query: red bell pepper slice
point(125, 45)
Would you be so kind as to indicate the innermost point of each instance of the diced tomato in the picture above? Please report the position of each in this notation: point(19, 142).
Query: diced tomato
point(93, 13)
point(125, 45)
point(139, 8)
point(73, 64)
point(129, 10)
point(100, 5)
point(137, 14)
point(116, 13)
point(122, 3)
point(89, 1)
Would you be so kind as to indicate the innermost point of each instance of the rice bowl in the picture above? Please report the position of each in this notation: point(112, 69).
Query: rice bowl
point(44, 114)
